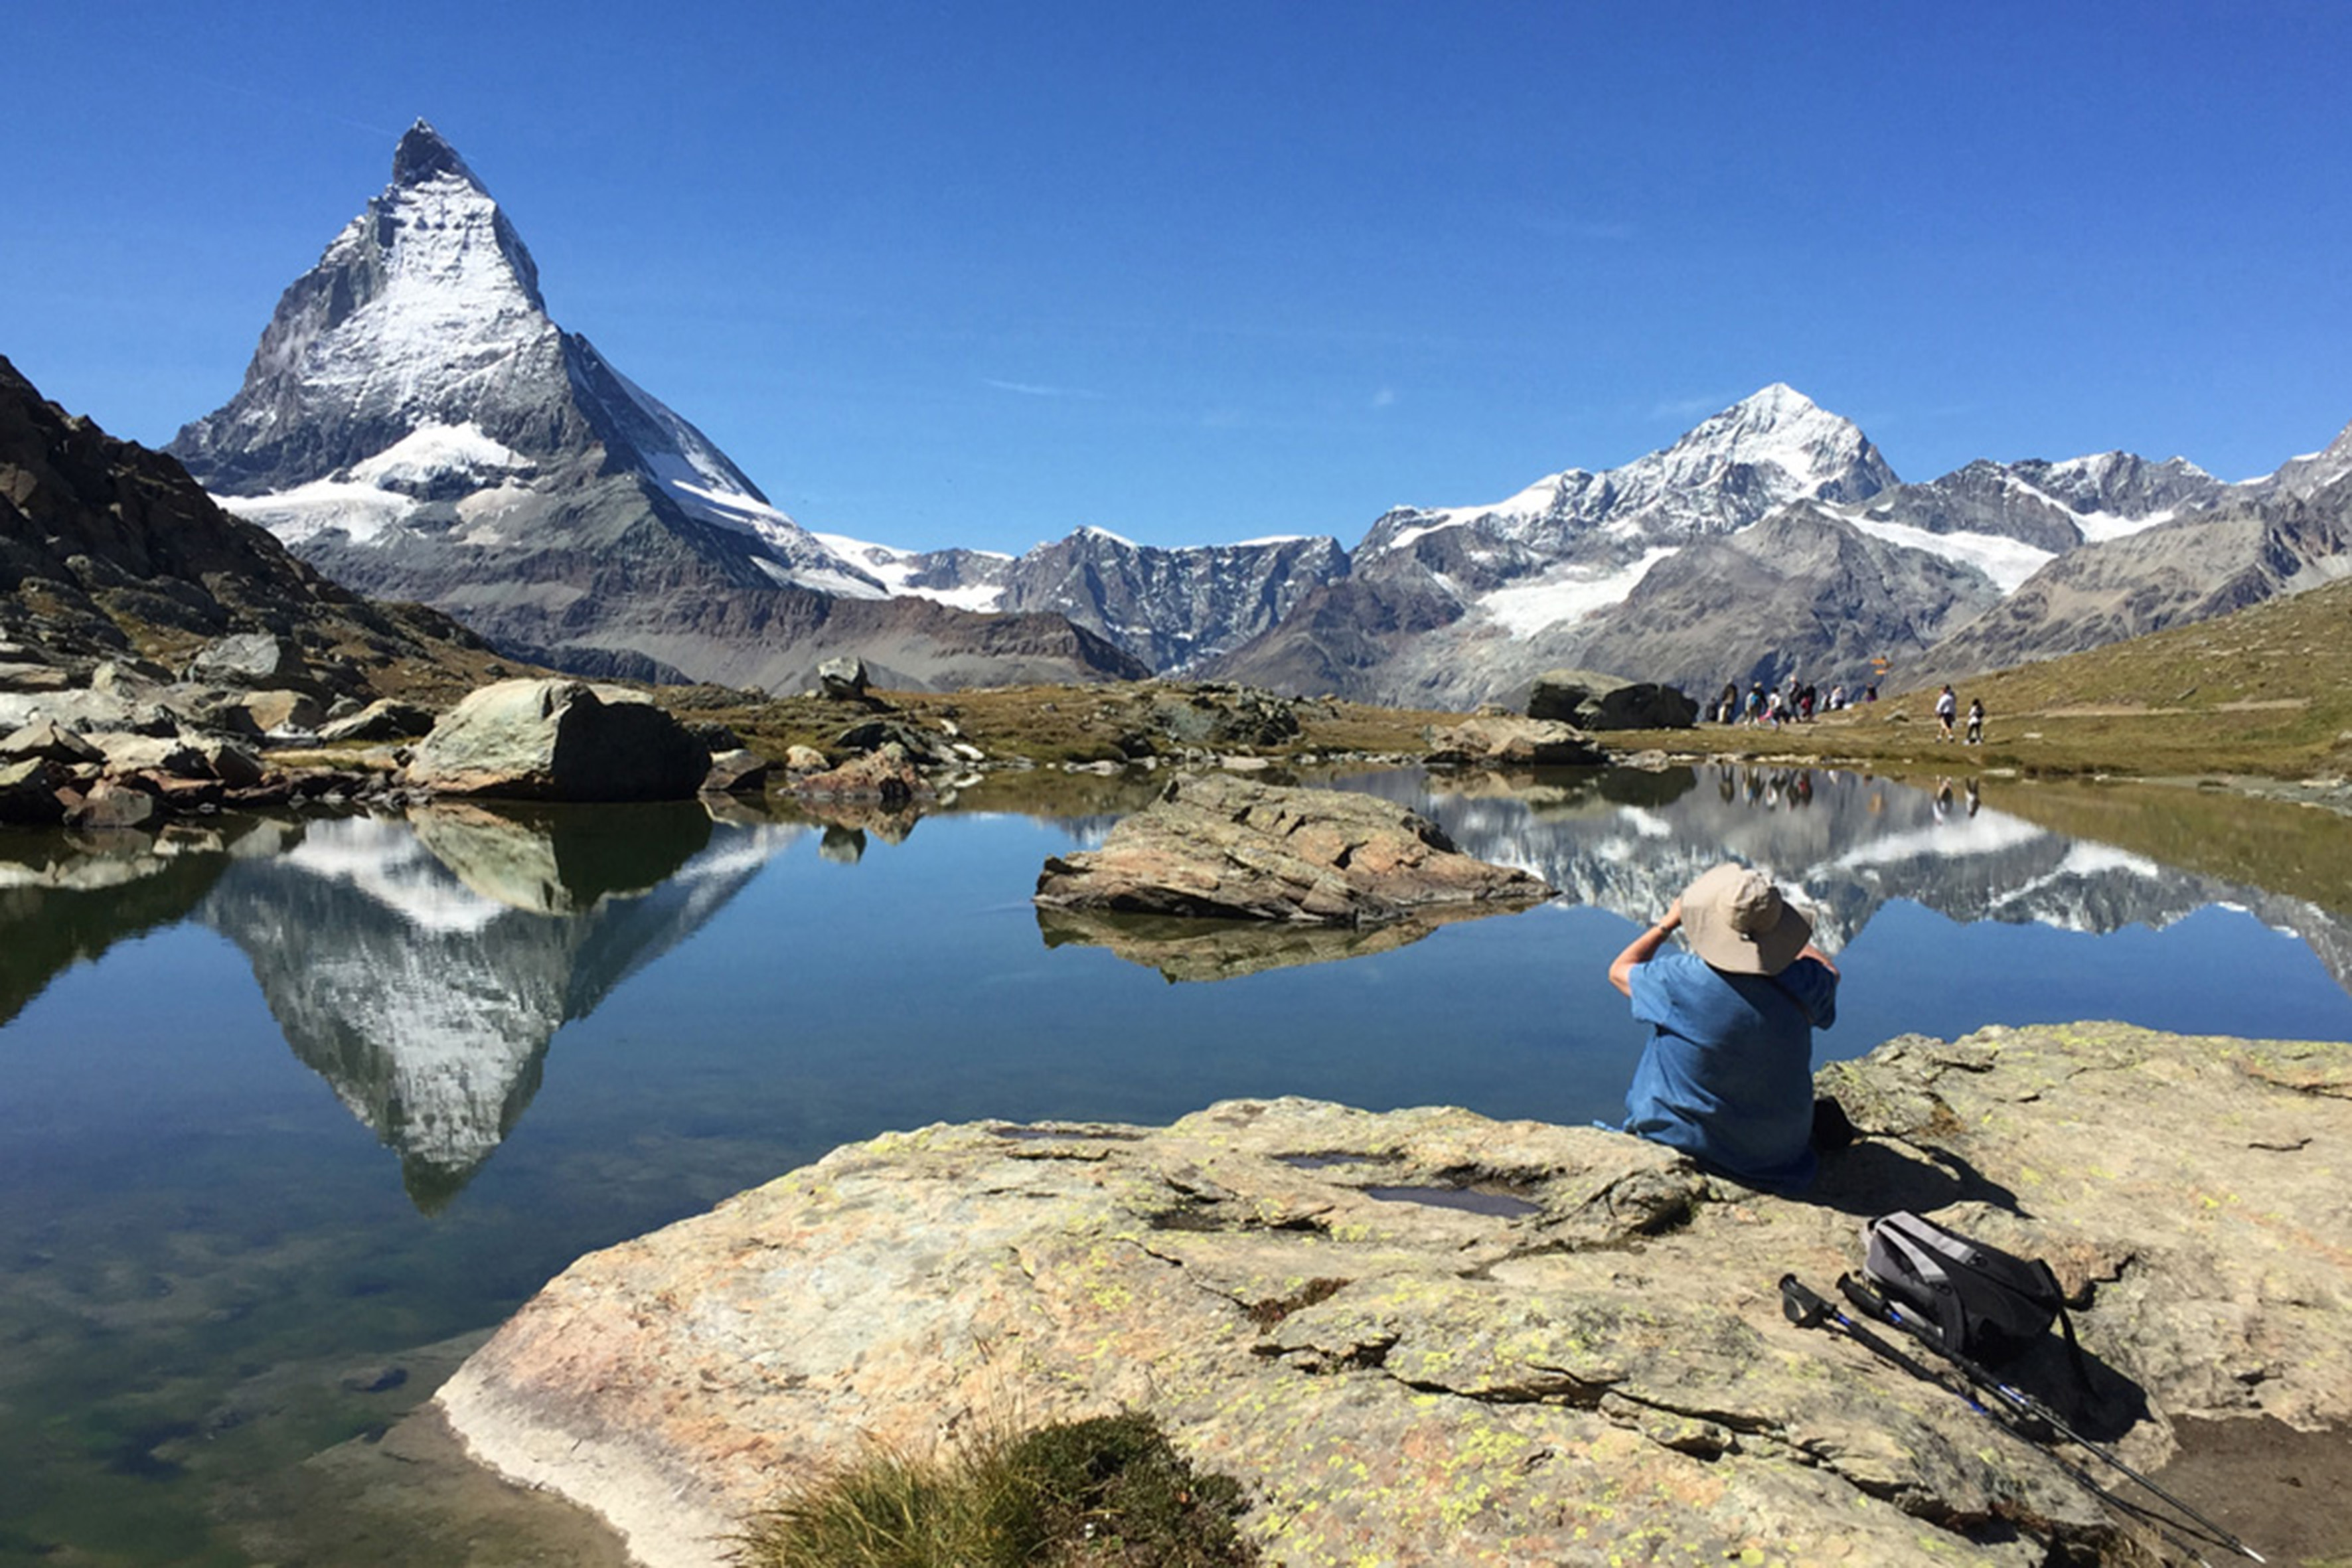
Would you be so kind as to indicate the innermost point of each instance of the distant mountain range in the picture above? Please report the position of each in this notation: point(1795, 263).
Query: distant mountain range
point(416, 426)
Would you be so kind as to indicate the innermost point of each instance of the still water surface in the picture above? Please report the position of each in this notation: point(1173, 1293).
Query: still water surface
point(285, 1108)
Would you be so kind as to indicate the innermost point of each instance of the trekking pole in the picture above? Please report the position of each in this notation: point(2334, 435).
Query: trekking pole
point(1879, 1306)
point(1801, 1306)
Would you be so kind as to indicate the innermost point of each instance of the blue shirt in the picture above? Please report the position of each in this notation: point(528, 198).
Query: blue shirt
point(1727, 1075)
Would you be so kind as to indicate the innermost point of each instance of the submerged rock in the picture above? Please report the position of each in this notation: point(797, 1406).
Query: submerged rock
point(1428, 1337)
point(1216, 846)
point(1182, 948)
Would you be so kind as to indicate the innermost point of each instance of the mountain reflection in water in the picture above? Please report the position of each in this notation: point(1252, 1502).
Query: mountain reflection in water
point(421, 965)
point(1848, 845)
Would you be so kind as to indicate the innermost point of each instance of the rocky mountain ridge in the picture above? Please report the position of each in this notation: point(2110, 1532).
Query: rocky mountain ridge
point(1772, 542)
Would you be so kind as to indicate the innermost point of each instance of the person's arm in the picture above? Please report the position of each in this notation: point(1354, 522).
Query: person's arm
point(1818, 956)
point(1642, 949)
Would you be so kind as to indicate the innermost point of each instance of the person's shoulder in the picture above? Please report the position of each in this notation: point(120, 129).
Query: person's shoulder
point(1669, 970)
point(1809, 974)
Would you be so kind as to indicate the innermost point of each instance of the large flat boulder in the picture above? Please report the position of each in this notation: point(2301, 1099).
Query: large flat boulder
point(559, 740)
point(1215, 845)
point(1426, 1337)
point(257, 659)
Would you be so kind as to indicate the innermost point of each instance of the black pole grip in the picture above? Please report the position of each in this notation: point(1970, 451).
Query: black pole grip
point(1800, 1305)
point(1864, 1297)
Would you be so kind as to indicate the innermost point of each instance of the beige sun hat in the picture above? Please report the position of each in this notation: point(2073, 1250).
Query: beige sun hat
point(1736, 920)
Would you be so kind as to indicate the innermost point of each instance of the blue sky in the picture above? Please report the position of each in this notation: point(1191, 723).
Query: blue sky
point(981, 274)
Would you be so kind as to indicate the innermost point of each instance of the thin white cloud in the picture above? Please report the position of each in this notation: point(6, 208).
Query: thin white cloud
point(1032, 389)
point(1691, 407)
point(1385, 397)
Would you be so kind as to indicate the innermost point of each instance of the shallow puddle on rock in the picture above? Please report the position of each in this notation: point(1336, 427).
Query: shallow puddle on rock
point(1470, 1200)
point(1327, 1160)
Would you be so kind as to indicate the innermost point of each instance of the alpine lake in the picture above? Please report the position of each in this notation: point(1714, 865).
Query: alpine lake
point(294, 1111)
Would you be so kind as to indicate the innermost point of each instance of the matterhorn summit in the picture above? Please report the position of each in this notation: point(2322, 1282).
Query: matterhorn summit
point(417, 364)
point(416, 425)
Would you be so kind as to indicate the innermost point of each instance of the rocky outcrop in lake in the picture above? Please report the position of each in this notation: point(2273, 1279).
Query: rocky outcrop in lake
point(1217, 847)
point(1427, 1337)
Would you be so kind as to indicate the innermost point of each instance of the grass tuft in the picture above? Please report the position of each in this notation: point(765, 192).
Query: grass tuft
point(1108, 1492)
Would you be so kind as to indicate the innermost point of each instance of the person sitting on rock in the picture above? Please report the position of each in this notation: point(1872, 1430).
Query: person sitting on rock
point(1728, 1074)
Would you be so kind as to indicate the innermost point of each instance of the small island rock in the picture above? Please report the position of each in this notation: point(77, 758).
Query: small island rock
point(1217, 846)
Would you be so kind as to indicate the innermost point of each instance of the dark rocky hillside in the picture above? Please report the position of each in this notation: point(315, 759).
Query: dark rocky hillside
point(107, 549)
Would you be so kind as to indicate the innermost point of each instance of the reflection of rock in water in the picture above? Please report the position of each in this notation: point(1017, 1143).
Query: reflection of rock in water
point(1181, 948)
point(425, 993)
point(842, 846)
point(65, 898)
point(890, 823)
point(561, 861)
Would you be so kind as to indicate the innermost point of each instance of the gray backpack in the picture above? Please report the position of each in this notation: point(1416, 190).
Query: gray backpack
point(1980, 1303)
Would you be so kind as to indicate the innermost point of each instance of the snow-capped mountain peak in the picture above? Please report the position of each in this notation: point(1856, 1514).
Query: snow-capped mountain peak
point(1777, 445)
point(2314, 471)
point(1723, 475)
point(414, 374)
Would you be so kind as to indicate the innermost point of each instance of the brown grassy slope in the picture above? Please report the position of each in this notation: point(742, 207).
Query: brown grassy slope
point(1048, 724)
point(2266, 692)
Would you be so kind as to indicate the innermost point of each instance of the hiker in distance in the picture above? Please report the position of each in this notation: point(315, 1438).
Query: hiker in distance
point(1948, 708)
point(1728, 1074)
